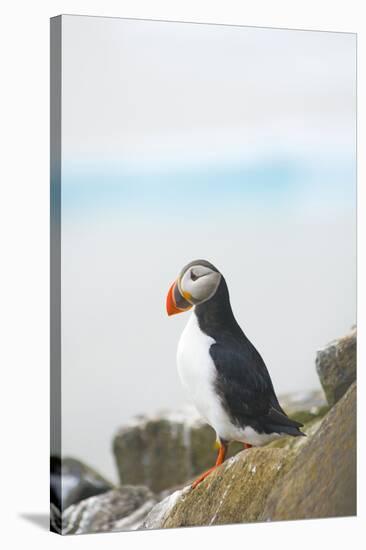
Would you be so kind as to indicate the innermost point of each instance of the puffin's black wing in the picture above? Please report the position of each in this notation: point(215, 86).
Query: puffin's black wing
point(246, 390)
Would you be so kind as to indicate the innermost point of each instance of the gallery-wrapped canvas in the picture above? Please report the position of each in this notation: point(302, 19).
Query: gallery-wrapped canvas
point(203, 274)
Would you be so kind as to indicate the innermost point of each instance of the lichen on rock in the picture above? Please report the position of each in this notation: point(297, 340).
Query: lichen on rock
point(234, 493)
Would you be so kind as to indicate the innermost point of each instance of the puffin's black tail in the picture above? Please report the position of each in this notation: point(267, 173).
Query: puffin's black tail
point(279, 422)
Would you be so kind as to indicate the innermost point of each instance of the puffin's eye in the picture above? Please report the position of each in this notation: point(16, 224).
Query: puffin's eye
point(194, 277)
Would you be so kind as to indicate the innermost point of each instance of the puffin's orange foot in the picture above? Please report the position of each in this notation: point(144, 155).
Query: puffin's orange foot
point(202, 477)
point(220, 459)
point(247, 446)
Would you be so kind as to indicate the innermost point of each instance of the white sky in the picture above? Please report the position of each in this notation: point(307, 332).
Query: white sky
point(134, 88)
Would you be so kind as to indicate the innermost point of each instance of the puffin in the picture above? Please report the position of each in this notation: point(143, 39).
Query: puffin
point(220, 369)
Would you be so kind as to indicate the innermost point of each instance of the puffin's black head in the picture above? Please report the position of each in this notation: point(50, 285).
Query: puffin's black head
point(197, 282)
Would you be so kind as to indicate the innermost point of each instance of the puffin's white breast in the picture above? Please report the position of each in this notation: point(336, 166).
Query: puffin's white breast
point(197, 372)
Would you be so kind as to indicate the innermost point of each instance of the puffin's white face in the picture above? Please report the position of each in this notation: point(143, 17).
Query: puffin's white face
point(197, 282)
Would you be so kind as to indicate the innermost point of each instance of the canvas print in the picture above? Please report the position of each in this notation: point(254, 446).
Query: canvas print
point(203, 274)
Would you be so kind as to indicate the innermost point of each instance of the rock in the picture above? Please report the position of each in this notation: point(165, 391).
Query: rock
point(336, 366)
point(117, 510)
point(322, 480)
point(79, 481)
point(160, 513)
point(234, 493)
point(292, 478)
point(167, 449)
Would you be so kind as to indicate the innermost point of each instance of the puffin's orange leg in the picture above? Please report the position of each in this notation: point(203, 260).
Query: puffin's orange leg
point(247, 446)
point(220, 459)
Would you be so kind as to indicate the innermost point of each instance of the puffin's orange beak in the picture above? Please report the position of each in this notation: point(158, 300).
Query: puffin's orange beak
point(175, 302)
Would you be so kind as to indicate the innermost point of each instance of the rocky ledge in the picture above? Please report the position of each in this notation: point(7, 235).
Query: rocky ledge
point(157, 457)
point(164, 450)
point(291, 479)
